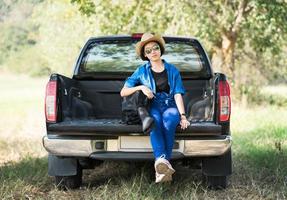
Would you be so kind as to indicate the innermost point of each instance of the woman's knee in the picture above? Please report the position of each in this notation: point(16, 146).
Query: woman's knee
point(171, 113)
point(156, 116)
point(171, 118)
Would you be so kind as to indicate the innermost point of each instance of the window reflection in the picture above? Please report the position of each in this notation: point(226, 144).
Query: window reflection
point(120, 56)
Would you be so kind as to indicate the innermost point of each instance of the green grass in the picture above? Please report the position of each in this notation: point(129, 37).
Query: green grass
point(24, 178)
point(259, 157)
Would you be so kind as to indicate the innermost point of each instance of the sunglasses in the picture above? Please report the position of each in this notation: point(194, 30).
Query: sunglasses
point(154, 48)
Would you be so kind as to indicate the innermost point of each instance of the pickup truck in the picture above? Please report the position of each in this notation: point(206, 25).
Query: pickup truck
point(83, 112)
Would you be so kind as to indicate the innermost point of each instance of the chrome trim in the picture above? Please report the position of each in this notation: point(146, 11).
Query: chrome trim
point(84, 148)
point(207, 147)
point(66, 147)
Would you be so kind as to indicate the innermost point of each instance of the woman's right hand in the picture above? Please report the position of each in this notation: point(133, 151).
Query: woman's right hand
point(147, 91)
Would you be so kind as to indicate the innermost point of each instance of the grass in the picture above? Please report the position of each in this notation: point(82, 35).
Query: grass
point(272, 95)
point(278, 90)
point(259, 157)
point(22, 116)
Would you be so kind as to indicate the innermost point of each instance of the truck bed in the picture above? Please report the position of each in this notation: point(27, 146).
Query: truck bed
point(100, 100)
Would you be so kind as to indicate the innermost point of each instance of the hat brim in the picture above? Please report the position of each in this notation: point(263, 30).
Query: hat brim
point(155, 38)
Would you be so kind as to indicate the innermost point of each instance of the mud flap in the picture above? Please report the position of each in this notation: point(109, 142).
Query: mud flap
point(217, 166)
point(58, 166)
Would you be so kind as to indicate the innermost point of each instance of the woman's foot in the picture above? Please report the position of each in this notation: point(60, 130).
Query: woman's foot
point(160, 178)
point(162, 166)
point(164, 170)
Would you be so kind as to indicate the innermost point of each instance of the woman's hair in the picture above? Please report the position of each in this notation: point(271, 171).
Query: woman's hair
point(161, 50)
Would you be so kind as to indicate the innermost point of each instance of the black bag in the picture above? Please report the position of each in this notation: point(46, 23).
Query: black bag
point(130, 106)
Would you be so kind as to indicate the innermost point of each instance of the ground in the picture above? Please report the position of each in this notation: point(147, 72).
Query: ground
point(259, 156)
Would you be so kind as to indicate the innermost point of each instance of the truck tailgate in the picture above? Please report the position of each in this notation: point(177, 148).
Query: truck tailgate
point(115, 127)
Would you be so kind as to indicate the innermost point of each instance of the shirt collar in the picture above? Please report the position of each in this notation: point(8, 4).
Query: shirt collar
point(164, 63)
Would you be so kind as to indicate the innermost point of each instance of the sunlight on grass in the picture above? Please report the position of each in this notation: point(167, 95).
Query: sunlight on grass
point(244, 120)
point(278, 90)
point(22, 116)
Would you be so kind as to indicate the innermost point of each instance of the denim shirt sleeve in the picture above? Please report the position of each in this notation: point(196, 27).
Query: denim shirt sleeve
point(133, 80)
point(179, 88)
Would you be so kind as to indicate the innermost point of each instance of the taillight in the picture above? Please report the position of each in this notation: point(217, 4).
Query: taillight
point(50, 101)
point(224, 101)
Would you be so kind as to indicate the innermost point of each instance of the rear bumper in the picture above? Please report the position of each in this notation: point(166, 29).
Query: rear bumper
point(128, 148)
point(126, 156)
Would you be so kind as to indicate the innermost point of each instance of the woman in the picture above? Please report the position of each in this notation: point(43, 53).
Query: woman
point(161, 83)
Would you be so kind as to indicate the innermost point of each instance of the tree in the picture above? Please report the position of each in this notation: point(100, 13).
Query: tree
point(38, 43)
point(224, 25)
point(236, 24)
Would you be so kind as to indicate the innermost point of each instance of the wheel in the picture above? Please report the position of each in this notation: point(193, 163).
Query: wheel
point(216, 169)
point(216, 182)
point(69, 182)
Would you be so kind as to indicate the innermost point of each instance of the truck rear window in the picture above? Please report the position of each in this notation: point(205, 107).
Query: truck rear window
point(120, 56)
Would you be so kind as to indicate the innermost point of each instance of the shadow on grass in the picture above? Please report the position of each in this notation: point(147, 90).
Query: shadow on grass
point(127, 180)
point(24, 179)
point(30, 170)
point(33, 172)
point(113, 171)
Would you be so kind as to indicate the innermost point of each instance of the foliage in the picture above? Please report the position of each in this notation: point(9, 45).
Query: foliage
point(247, 34)
point(262, 20)
point(15, 35)
point(225, 27)
point(86, 6)
point(43, 42)
point(61, 36)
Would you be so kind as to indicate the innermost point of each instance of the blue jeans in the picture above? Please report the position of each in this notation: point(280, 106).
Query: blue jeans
point(166, 116)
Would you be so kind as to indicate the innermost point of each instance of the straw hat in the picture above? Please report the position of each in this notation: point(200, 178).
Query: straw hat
point(146, 38)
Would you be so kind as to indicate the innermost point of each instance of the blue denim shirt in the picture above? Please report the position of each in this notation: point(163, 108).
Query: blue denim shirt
point(143, 76)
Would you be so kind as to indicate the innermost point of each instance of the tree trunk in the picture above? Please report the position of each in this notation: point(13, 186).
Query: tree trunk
point(223, 55)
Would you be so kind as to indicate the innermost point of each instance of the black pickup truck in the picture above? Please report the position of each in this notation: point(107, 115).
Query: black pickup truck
point(83, 113)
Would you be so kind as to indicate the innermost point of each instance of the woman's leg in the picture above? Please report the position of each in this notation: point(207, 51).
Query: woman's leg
point(171, 119)
point(156, 135)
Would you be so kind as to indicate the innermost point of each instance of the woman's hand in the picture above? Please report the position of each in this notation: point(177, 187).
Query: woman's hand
point(184, 123)
point(147, 91)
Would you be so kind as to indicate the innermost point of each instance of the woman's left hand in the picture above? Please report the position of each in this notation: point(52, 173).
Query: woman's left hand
point(184, 123)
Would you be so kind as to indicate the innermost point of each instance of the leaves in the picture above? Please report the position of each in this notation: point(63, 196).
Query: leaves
point(239, 28)
point(85, 6)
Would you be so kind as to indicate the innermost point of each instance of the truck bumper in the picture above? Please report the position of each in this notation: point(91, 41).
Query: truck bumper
point(134, 147)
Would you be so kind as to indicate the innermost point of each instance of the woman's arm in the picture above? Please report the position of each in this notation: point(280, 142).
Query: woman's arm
point(128, 91)
point(179, 103)
point(184, 123)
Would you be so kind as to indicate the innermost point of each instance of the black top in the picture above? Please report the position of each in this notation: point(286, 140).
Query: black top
point(161, 81)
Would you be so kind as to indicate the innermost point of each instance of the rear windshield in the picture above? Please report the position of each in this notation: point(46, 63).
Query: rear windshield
point(120, 56)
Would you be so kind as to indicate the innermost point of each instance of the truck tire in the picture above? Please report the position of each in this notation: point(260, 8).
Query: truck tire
point(69, 182)
point(216, 182)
